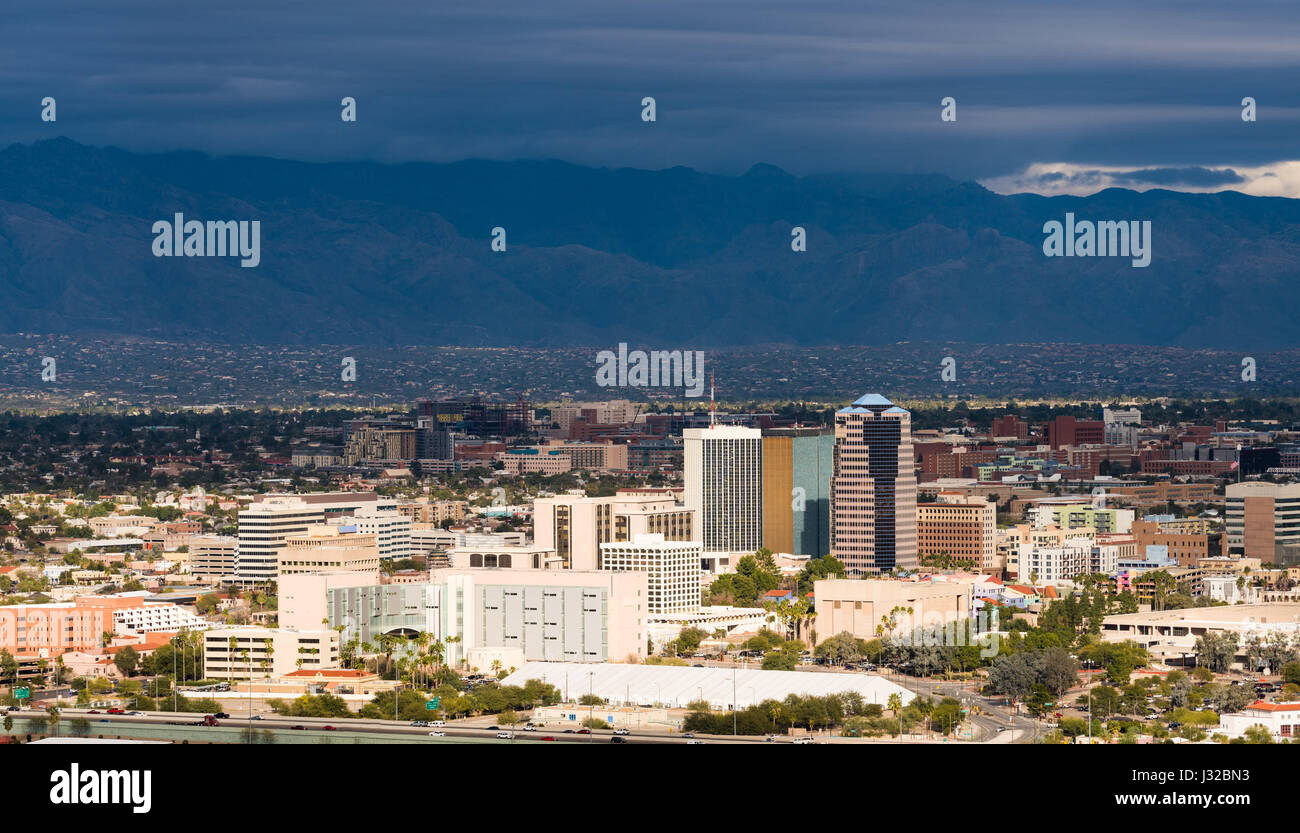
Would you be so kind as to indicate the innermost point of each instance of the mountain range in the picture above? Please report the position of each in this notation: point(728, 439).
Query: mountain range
point(378, 254)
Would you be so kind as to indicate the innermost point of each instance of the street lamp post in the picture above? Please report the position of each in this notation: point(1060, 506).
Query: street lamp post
point(733, 701)
point(591, 704)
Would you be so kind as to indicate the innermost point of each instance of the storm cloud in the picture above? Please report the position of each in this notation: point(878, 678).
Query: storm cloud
point(1126, 95)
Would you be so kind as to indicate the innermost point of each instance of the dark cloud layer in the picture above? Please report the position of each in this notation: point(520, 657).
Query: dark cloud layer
point(811, 87)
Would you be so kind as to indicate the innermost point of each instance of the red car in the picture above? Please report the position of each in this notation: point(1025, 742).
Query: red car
point(330, 728)
point(548, 737)
point(584, 731)
point(117, 711)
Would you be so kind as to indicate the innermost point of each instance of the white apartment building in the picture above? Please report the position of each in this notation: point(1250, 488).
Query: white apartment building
point(1053, 564)
point(672, 568)
point(153, 617)
point(723, 468)
point(1231, 588)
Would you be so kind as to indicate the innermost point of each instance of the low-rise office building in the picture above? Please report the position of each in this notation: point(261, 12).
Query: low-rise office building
point(578, 616)
point(250, 653)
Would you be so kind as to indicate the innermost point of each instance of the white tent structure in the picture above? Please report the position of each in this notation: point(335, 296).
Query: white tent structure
point(674, 686)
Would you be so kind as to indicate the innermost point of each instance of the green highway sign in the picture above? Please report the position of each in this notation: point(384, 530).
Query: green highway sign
point(22, 693)
point(430, 705)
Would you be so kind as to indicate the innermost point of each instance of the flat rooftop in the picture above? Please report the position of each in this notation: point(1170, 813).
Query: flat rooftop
point(675, 686)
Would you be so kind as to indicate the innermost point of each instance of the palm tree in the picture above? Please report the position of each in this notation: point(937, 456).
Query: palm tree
point(54, 718)
point(422, 639)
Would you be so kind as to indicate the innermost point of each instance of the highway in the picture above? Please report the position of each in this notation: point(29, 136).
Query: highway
point(345, 727)
point(985, 726)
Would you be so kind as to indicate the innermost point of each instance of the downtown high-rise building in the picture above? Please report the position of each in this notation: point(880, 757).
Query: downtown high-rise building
point(873, 487)
point(797, 466)
point(723, 468)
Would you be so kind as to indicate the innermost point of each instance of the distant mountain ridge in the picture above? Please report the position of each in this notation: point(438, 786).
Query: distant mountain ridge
point(378, 254)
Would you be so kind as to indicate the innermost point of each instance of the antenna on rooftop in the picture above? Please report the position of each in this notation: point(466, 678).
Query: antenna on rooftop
point(712, 405)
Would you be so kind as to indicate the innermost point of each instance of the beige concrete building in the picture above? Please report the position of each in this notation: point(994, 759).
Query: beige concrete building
point(1173, 633)
point(1263, 521)
point(507, 556)
point(436, 512)
point(325, 547)
point(868, 608)
point(212, 557)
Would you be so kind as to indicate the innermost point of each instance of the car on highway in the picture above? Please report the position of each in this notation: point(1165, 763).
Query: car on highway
point(547, 737)
point(803, 740)
point(689, 735)
point(116, 711)
point(419, 724)
point(622, 731)
point(695, 742)
point(330, 728)
point(506, 735)
point(94, 711)
point(221, 716)
point(437, 734)
point(129, 714)
point(568, 731)
point(298, 727)
point(770, 739)
point(618, 739)
point(584, 731)
point(530, 728)
point(255, 717)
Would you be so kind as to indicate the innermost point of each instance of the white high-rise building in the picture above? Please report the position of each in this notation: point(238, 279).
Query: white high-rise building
point(391, 529)
point(263, 527)
point(673, 568)
point(724, 485)
point(1121, 427)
